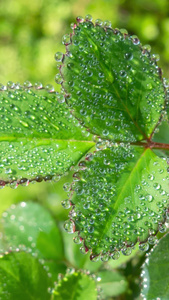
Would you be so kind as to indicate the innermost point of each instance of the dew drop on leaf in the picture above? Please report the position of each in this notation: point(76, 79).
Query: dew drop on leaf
point(69, 226)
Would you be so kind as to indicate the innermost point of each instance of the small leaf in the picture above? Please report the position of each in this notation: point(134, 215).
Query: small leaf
point(30, 225)
point(23, 277)
point(112, 283)
point(77, 286)
point(39, 138)
point(155, 274)
point(113, 84)
point(120, 199)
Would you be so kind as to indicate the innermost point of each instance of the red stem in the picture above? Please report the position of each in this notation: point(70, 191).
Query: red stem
point(150, 144)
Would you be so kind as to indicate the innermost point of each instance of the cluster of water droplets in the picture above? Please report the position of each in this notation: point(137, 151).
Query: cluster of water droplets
point(109, 219)
point(33, 119)
point(97, 84)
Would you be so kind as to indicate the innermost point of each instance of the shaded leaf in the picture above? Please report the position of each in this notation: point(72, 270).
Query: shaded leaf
point(30, 225)
point(155, 272)
point(113, 84)
point(112, 283)
point(23, 277)
point(75, 286)
point(39, 138)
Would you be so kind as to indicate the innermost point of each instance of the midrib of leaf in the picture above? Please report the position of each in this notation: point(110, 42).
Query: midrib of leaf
point(21, 138)
point(120, 199)
point(107, 73)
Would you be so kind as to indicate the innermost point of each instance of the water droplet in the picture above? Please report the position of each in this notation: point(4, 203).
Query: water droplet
point(66, 203)
point(69, 226)
point(10, 85)
point(152, 240)
point(135, 40)
point(66, 40)
point(105, 257)
point(58, 78)
point(115, 255)
point(77, 239)
point(49, 88)
point(126, 251)
point(129, 56)
point(59, 56)
point(99, 22)
point(107, 24)
point(38, 85)
point(162, 228)
point(80, 19)
point(122, 73)
point(156, 57)
point(60, 98)
point(143, 246)
point(27, 84)
point(94, 257)
point(88, 18)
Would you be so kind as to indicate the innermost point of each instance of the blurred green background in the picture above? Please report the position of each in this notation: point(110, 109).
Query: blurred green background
point(31, 31)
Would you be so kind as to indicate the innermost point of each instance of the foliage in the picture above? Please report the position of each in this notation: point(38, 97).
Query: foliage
point(119, 191)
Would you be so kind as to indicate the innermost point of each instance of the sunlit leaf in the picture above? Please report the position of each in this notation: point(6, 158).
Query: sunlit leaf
point(39, 138)
point(113, 85)
point(119, 199)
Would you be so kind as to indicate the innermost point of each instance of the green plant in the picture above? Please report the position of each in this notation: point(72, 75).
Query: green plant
point(117, 152)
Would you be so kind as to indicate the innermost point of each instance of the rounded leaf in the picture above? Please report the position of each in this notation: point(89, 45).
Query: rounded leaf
point(112, 83)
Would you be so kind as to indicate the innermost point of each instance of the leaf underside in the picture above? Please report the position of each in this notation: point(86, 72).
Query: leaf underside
point(39, 138)
point(113, 86)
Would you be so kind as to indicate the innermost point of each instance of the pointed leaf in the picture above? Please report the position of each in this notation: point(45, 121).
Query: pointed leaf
point(38, 136)
point(23, 277)
point(120, 198)
point(77, 286)
point(112, 83)
point(155, 274)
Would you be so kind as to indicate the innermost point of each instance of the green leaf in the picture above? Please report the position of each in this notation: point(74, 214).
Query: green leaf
point(155, 272)
point(30, 225)
point(112, 83)
point(75, 286)
point(119, 199)
point(112, 283)
point(23, 277)
point(39, 138)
